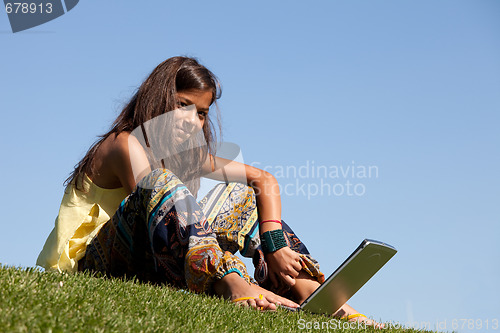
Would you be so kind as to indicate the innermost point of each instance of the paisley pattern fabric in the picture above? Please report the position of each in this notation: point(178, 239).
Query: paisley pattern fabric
point(160, 234)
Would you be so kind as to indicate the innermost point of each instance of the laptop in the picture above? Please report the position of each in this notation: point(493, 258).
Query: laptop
point(346, 280)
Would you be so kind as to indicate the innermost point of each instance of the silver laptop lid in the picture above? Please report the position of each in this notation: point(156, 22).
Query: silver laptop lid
point(356, 270)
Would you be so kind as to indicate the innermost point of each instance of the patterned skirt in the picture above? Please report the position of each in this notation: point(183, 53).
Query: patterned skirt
point(161, 234)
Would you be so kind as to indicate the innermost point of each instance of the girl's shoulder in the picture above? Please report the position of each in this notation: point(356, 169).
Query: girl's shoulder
point(116, 148)
point(112, 153)
point(116, 143)
point(120, 161)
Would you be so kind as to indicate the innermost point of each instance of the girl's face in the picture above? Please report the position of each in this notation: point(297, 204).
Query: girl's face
point(191, 113)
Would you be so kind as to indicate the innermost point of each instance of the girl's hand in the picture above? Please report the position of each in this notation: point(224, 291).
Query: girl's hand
point(284, 264)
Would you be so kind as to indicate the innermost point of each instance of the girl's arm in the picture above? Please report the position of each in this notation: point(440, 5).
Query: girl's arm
point(284, 263)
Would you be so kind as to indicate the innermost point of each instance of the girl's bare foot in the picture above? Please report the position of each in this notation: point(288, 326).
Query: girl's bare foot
point(347, 312)
point(304, 286)
point(235, 288)
point(273, 298)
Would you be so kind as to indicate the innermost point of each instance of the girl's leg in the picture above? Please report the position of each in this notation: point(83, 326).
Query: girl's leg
point(160, 234)
point(232, 213)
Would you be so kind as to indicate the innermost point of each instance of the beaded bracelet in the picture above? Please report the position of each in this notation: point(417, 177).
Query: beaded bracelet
point(273, 240)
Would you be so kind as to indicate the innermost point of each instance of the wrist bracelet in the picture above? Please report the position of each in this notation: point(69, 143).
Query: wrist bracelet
point(273, 240)
point(275, 221)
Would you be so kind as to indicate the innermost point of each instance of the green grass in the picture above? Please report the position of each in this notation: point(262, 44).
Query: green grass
point(35, 301)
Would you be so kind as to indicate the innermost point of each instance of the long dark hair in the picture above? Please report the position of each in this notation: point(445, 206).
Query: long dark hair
point(155, 96)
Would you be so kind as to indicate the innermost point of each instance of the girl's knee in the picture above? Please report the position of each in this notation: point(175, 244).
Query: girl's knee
point(244, 194)
point(158, 178)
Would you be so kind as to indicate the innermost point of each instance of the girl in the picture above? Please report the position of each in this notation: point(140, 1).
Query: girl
point(129, 207)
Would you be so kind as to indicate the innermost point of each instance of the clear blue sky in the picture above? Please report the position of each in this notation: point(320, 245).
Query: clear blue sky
point(409, 87)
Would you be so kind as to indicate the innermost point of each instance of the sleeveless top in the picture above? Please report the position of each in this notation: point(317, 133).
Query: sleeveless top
point(82, 214)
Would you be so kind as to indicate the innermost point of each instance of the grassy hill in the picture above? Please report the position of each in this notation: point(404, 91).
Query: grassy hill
point(34, 301)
